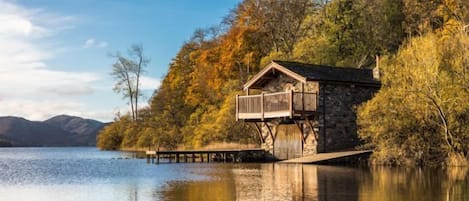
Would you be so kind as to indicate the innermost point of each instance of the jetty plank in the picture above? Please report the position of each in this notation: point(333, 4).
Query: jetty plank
point(322, 157)
point(224, 153)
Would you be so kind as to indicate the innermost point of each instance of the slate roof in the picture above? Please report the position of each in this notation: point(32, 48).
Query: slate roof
point(328, 73)
point(304, 72)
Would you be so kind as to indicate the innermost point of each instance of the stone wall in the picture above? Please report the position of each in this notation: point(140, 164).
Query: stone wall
point(337, 114)
point(334, 127)
point(310, 145)
point(285, 83)
point(268, 144)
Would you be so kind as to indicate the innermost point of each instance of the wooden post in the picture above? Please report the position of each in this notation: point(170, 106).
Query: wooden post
point(170, 158)
point(157, 158)
point(291, 104)
point(317, 101)
point(324, 125)
point(177, 158)
point(185, 158)
point(303, 99)
point(193, 158)
point(237, 107)
point(208, 157)
point(262, 106)
point(148, 158)
point(201, 157)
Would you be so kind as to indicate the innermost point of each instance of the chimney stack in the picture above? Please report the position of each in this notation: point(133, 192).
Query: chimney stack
point(376, 73)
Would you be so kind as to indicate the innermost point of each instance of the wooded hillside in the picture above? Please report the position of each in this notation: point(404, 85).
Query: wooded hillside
point(195, 104)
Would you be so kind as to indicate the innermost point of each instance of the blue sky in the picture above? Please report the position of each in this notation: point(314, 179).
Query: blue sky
point(54, 53)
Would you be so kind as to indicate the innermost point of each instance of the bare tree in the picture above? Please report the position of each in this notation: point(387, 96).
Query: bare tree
point(127, 72)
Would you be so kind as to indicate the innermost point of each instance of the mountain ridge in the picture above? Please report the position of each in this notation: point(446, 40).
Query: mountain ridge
point(60, 130)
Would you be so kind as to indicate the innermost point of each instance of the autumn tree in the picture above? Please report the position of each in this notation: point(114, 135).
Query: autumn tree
point(194, 106)
point(421, 114)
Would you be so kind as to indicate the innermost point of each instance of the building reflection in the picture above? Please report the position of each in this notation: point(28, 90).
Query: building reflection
point(298, 182)
point(322, 183)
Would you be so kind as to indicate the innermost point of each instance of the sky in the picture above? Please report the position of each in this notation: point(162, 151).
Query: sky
point(54, 54)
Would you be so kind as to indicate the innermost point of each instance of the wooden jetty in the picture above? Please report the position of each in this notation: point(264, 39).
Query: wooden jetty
point(323, 157)
point(220, 155)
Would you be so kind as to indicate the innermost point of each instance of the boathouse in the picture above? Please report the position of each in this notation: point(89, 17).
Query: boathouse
point(301, 109)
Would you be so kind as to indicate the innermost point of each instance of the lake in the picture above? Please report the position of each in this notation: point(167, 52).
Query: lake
point(49, 174)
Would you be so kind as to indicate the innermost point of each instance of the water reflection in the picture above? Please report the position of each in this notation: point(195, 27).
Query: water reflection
point(86, 174)
point(389, 184)
point(323, 183)
point(219, 185)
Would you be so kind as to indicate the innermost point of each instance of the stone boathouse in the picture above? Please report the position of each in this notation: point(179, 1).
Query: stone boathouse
point(300, 109)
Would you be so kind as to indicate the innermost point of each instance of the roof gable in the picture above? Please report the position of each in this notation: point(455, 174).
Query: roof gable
point(265, 75)
point(304, 72)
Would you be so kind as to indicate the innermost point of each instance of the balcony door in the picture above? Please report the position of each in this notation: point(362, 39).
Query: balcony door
point(288, 144)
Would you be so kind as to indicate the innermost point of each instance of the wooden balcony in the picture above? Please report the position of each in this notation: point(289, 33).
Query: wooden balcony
point(275, 105)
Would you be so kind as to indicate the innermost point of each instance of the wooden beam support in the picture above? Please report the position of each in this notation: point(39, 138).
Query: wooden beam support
point(270, 132)
point(303, 135)
point(312, 128)
point(259, 132)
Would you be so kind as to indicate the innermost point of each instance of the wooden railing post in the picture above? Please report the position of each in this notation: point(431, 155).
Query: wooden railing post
point(262, 106)
point(237, 107)
point(303, 100)
point(317, 101)
point(291, 103)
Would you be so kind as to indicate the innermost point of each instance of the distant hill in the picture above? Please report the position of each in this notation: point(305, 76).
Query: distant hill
point(83, 131)
point(60, 130)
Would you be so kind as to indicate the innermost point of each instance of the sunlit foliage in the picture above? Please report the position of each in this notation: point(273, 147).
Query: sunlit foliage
point(419, 117)
point(421, 114)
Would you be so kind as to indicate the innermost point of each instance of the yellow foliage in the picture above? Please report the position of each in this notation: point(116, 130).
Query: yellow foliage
point(420, 115)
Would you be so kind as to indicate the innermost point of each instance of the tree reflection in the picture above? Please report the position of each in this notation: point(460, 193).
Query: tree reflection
point(395, 184)
point(323, 183)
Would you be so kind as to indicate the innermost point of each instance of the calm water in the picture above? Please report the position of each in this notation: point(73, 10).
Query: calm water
point(49, 174)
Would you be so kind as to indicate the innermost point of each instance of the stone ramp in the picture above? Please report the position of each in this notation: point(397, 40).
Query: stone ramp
point(322, 157)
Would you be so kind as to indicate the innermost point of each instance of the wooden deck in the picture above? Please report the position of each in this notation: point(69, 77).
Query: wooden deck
point(274, 105)
point(323, 157)
point(220, 155)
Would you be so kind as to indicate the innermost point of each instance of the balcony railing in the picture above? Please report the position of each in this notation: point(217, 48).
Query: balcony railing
point(274, 105)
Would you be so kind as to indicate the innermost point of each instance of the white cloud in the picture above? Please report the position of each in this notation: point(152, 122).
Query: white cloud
point(34, 82)
point(91, 42)
point(149, 83)
point(38, 110)
point(27, 83)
